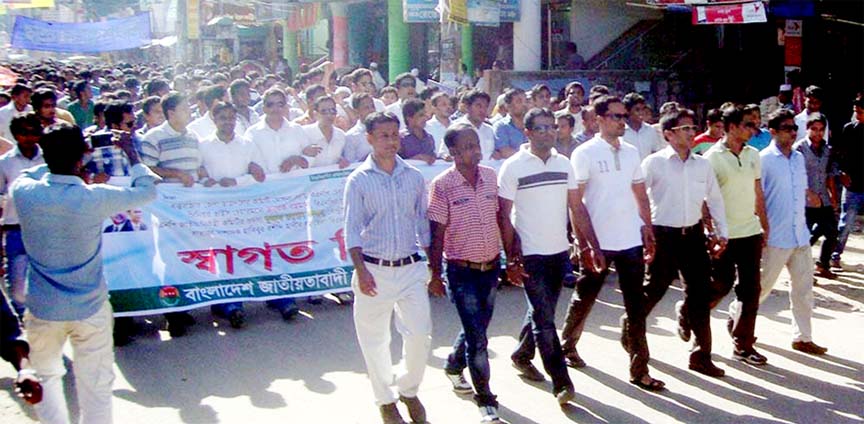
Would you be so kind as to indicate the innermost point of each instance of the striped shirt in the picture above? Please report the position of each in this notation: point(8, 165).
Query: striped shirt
point(469, 213)
point(164, 147)
point(539, 193)
point(385, 214)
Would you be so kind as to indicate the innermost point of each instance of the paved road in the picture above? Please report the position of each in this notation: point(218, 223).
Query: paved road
point(311, 371)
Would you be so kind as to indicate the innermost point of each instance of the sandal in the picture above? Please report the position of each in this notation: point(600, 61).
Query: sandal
point(653, 384)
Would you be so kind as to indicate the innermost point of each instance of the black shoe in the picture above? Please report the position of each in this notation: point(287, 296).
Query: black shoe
point(237, 318)
point(684, 331)
point(315, 300)
point(751, 357)
point(809, 347)
point(528, 370)
point(124, 327)
point(390, 414)
point(176, 329)
point(415, 408)
point(573, 360)
point(708, 368)
point(569, 280)
point(289, 312)
point(625, 334)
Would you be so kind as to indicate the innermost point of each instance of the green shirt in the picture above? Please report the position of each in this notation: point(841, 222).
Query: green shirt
point(737, 176)
point(83, 115)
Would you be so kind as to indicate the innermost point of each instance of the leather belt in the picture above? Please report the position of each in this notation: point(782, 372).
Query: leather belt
point(480, 266)
point(680, 230)
point(11, 227)
point(408, 260)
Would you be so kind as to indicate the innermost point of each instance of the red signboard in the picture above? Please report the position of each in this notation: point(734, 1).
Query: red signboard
point(718, 14)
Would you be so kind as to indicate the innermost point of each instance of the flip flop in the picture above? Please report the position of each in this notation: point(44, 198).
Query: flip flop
point(653, 385)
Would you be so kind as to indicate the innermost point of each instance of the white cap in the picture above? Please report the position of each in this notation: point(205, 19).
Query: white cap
point(373, 65)
point(786, 87)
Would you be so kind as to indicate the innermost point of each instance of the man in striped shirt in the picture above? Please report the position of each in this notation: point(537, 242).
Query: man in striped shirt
point(385, 226)
point(463, 217)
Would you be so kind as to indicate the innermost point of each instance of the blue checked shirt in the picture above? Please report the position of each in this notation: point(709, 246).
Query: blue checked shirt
point(784, 183)
point(385, 214)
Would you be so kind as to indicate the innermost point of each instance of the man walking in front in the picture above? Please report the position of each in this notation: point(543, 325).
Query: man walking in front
point(68, 295)
point(463, 208)
point(784, 182)
point(385, 226)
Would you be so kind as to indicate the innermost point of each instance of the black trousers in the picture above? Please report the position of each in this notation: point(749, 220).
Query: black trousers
point(822, 223)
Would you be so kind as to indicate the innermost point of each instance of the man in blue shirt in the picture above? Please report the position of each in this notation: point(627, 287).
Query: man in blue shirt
point(784, 182)
point(510, 131)
point(762, 138)
point(61, 226)
point(385, 225)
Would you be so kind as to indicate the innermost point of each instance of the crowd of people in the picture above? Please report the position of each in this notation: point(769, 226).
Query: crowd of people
point(721, 210)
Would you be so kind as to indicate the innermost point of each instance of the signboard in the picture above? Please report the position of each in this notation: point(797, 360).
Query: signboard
point(741, 13)
point(193, 19)
point(88, 37)
point(420, 11)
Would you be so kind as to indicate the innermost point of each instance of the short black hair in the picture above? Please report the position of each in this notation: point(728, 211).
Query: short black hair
point(537, 112)
point(602, 103)
point(777, 117)
point(322, 99)
point(41, 95)
point(63, 146)
point(213, 94)
point(631, 100)
point(20, 121)
point(454, 131)
point(410, 108)
point(574, 84)
point(815, 92)
point(357, 98)
point(752, 107)
point(152, 87)
point(567, 117)
point(79, 86)
point(403, 76)
point(236, 86)
point(115, 110)
point(670, 120)
point(732, 115)
point(219, 107)
point(378, 118)
point(511, 93)
point(20, 88)
point(600, 89)
point(713, 116)
point(312, 90)
point(275, 91)
point(170, 102)
point(538, 88)
point(474, 95)
point(439, 95)
point(149, 103)
point(358, 73)
point(428, 92)
point(817, 117)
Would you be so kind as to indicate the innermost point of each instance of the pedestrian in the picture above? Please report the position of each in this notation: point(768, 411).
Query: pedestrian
point(575, 93)
point(639, 133)
point(325, 141)
point(68, 295)
point(509, 132)
point(20, 103)
point(612, 187)
point(679, 182)
point(385, 226)
point(713, 132)
point(848, 150)
point(784, 182)
point(813, 99)
point(738, 172)
point(538, 175)
point(463, 218)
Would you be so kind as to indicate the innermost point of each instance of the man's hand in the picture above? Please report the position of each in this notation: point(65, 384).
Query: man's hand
point(813, 200)
point(516, 273)
point(718, 245)
point(208, 182)
point(312, 150)
point(648, 243)
point(28, 387)
point(227, 182)
point(366, 282)
point(343, 163)
point(257, 172)
point(100, 178)
point(436, 286)
point(187, 180)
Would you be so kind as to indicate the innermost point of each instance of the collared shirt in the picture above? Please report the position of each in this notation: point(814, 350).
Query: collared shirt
point(243, 124)
point(609, 175)
point(677, 188)
point(578, 126)
point(227, 160)
point(487, 136)
point(647, 140)
point(332, 150)
point(470, 214)
point(567, 150)
point(164, 147)
point(737, 176)
point(203, 127)
point(83, 114)
point(411, 145)
point(437, 129)
point(357, 146)
point(61, 225)
point(396, 109)
point(6, 114)
point(784, 182)
point(818, 162)
point(538, 191)
point(11, 165)
point(582, 137)
point(385, 214)
point(761, 140)
point(506, 134)
point(849, 150)
point(109, 160)
point(274, 146)
point(801, 122)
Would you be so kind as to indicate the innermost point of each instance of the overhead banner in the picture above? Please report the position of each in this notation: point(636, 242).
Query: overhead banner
point(741, 13)
point(201, 246)
point(420, 11)
point(90, 37)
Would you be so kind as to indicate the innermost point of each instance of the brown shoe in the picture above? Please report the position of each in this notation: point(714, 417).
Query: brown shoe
point(573, 360)
point(415, 409)
point(390, 414)
point(529, 371)
point(825, 272)
point(809, 347)
point(708, 368)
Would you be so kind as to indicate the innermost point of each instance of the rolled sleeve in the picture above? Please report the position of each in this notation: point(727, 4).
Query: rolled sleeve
point(354, 217)
point(506, 183)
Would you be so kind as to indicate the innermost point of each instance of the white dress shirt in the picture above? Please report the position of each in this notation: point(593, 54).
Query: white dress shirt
point(678, 188)
point(647, 140)
point(332, 150)
point(437, 130)
point(203, 127)
point(274, 146)
point(396, 109)
point(11, 165)
point(486, 134)
point(227, 160)
point(6, 114)
point(357, 146)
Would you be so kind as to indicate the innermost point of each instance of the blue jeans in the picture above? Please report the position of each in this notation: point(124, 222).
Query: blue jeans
point(542, 288)
point(853, 204)
point(16, 269)
point(473, 292)
point(282, 304)
point(224, 309)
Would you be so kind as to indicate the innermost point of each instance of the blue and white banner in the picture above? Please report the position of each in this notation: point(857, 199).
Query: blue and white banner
point(89, 37)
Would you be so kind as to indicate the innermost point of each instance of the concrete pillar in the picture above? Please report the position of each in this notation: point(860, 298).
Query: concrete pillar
point(340, 34)
point(398, 59)
point(468, 47)
point(289, 48)
point(359, 33)
point(526, 37)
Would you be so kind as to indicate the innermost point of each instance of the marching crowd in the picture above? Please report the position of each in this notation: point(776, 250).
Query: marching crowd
point(721, 210)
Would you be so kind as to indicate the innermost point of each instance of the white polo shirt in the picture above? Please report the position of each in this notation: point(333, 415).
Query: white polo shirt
point(539, 193)
point(609, 175)
point(274, 146)
point(647, 140)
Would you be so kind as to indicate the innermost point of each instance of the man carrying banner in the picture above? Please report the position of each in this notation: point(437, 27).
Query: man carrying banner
point(68, 295)
point(385, 222)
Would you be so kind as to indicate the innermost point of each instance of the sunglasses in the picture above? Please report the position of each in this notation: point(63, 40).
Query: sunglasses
point(789, 128)
point(542, 128)
point(275, 104)
point(328, 111)
point(616, 116)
